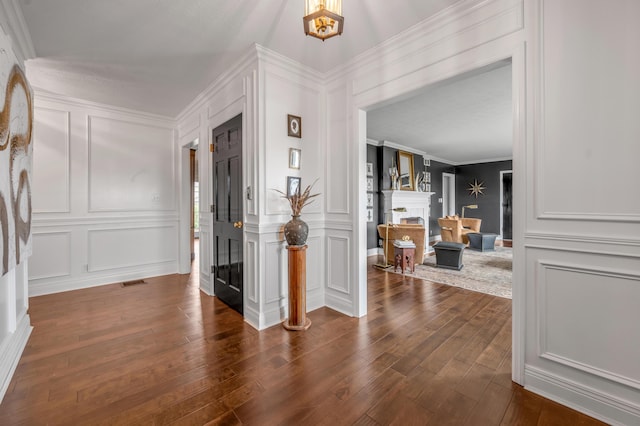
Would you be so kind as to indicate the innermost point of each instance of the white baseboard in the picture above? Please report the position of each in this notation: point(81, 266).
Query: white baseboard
point(11, 350)
point(592, 402)
point(40, 288)
point(374, 251)
point(338, 304)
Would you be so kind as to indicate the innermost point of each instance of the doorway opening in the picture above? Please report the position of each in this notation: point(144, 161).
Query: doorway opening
point(194, 204)
point(448, 194)
point(514, 82)
point(506, 219)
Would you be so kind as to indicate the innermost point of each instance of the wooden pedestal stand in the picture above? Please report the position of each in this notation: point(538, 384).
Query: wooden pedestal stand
point(297, 289)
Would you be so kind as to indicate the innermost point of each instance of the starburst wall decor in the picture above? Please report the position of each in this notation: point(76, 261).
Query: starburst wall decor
point(476, 188)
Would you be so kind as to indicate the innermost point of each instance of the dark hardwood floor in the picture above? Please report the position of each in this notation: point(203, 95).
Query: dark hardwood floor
point(164, 353)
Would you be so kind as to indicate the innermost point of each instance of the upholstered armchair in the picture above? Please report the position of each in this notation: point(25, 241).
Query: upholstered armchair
point(455, 229)
point(396, 232)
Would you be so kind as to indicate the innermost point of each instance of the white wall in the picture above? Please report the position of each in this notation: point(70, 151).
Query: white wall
point(104, 195)
point(15, 324)
point(583, 225)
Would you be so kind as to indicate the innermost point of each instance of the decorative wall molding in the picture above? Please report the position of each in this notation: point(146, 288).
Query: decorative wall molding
point(400, 147)
point(88, 280)
point(149, 133)
point(315, 273)
point(276, 276)
point(251, 257)
point(14, 25)
point(63, 249)
point(604, 406)
point(135, 237)
point(43, 97)
point(66, 166)
point(551, 178)
point(129, 218)
point(11, 349)
point(338, 264)
point(608, 277)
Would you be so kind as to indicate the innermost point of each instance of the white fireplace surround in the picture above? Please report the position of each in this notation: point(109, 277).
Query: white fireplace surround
point(416, 204)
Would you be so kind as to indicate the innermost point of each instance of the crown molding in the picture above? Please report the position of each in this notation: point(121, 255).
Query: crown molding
point(14, 25)
point(402, 148)
point(42, 95)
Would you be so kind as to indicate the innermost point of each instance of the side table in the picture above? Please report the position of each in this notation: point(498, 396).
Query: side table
point(404, 258)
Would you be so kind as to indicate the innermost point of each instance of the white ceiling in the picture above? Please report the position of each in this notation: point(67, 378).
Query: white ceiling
point(467, 119)
point(158, 55)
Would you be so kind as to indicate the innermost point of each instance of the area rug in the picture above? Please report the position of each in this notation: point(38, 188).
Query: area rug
point(487, 272)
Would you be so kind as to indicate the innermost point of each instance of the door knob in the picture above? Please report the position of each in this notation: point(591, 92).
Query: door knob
point(237, 224)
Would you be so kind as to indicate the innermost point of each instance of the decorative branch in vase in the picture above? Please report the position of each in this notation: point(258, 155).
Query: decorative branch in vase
point(296, 230)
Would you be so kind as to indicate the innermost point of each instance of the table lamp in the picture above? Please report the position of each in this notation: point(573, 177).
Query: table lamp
point(470, 206)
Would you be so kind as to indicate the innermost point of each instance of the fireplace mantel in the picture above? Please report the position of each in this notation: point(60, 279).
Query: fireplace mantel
point(417, 204)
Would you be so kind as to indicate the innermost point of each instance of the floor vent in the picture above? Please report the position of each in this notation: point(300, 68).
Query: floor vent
point(134, 282)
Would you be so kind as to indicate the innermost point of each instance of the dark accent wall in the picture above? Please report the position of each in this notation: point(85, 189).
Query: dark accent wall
point(436, 169)
point(372, 232)
point(488, 202)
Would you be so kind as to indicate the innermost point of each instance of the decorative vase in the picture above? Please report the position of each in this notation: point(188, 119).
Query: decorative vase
point(296, 231)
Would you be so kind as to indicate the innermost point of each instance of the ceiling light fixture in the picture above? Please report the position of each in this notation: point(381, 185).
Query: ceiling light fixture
point(322, 18)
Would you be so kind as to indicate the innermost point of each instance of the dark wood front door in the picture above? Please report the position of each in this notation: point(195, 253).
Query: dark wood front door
point(227, 212)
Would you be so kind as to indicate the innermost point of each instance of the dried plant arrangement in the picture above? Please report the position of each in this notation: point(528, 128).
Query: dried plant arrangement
point(298, 200)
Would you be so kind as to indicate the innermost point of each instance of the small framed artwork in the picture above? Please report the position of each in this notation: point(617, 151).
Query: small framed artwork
point(370, 199)
point(294, 126)
point(369, 184)
point(426, 162)
point(293, 185)
point(369, 169)
point(427, 177)
point(427, 187)
point(369, 215)
point(294, 158)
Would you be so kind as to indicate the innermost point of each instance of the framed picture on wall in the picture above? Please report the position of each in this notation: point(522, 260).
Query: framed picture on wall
point(294, 158)
point(294, 126)
point(369, 215)
point(369, 169)
point(293, 185)
point(369, 184)
point(370, 199)
point(426, 162)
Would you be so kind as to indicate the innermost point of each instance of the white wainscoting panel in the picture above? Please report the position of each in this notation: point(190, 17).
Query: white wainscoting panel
point(338, 157)
point(276, 275)
point(131, 247)
point(587, 319)
point(51, 255)
point(315, 270)
point(251, 271)
point(50, 171)
point(588, 89)
point(338, 268)
point(134, 156)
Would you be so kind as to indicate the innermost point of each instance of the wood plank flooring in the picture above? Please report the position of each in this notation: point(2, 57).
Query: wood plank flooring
point(163, 353)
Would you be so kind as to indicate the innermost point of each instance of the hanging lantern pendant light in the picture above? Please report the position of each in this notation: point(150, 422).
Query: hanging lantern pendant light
point(323, 18)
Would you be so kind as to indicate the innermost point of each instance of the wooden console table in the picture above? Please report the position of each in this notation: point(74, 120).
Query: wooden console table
point(297, 289)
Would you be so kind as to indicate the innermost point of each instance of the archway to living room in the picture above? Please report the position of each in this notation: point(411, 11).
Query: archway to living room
point(429, 167)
